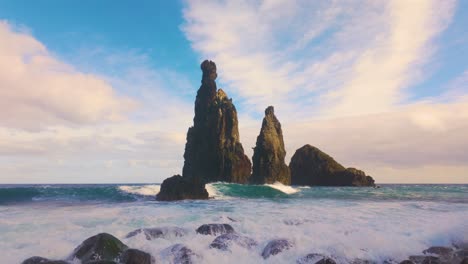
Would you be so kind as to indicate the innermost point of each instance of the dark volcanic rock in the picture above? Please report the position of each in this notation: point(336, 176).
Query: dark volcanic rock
point(407, 261)
point(269, 153)
point(213, 151)
point(425, 259)
point(135, 256)
point(438, 250)
point(215, 229)
point(99, 247)
point(315, 259)
point(223, 242)
point(310, 166)
point(41, 260)
point(275, 247)
point(180, 254)
point(180, 188)
point(159, 232)
point(101, 262)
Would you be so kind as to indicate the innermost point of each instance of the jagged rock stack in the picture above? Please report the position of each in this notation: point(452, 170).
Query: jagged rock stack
point(269, 153)
point(213, 152)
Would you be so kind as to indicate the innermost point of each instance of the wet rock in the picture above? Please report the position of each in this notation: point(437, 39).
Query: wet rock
point(269, 153)
point(275, 247)
point(101, 262)
point(99, 247)
point(463, 253)
point(310, 166)
point(315, 259)
point(215, 229)
point(326, 261)
point(224, 242)
point(181, 188)
point(213, 151)
point(438, 250)
point(425, 259)
point(159, 232)
point(180, 254)
point(135, 256)
point(41, 260)
point(363, 261)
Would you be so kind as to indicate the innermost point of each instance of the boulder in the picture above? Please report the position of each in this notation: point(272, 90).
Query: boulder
point(312, 167)
point(269, 153)
point(135, 256)
point(159, 232)
point(213, 151)
point(315, 259)
point(181, 188)
point(215, 229)
point(275, 247)
point(224, 242)
point(99, 247)
point(425, 259)
point(439, 251)
point(180, 254)
point(41, 260)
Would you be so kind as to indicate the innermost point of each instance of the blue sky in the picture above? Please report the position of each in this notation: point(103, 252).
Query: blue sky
point(103, 91)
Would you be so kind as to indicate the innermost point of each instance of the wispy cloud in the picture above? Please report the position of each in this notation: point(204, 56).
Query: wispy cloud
point(339, 74)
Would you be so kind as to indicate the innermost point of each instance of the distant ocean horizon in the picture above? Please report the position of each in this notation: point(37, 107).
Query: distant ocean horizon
point(391, 222)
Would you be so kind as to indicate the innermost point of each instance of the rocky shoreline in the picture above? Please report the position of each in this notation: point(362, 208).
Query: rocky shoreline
point(105, 248)
point(213, 151)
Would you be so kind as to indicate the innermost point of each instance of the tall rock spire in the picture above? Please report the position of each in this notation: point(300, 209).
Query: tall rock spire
point(213, 151)
point(269, 152)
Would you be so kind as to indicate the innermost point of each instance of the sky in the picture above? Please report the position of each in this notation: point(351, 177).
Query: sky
point(103, 91)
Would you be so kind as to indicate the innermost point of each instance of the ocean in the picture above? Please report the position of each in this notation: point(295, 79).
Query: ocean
point(348, 223)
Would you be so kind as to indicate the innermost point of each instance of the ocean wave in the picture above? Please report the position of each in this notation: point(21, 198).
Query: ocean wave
point(283, 188)
point(145, 190)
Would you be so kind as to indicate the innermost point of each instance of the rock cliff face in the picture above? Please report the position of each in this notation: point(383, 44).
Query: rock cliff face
point(269, 153)
point(213, 151)
point(310, 166)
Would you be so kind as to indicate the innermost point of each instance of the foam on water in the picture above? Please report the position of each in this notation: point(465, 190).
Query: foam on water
point(344, 228)
point(146, 190)
point(283, 188)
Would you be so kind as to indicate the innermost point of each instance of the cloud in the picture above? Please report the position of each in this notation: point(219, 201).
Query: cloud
point(37, 90)
point(345, 60)
point(340, 74)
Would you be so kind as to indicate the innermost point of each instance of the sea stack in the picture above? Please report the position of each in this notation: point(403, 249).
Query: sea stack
point(213, 151)
point(310, 166)
point(269, 153)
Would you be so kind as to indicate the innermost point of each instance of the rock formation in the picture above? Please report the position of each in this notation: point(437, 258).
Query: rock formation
point(269, 153)
point(213, 151)
point(310, 166)
point(180, 188)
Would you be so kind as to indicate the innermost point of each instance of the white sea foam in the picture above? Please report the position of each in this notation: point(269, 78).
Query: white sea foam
point(283, 188)
point(147, 190)
point(212, 192)
point(346, 229)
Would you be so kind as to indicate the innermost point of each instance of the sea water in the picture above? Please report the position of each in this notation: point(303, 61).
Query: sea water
point(347, 223)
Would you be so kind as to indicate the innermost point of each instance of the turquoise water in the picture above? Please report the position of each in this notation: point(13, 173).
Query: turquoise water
point(394, 221)
point(115, 193)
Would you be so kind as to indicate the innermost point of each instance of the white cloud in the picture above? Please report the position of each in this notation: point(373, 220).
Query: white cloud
point(338, 73)
point(37, 90)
